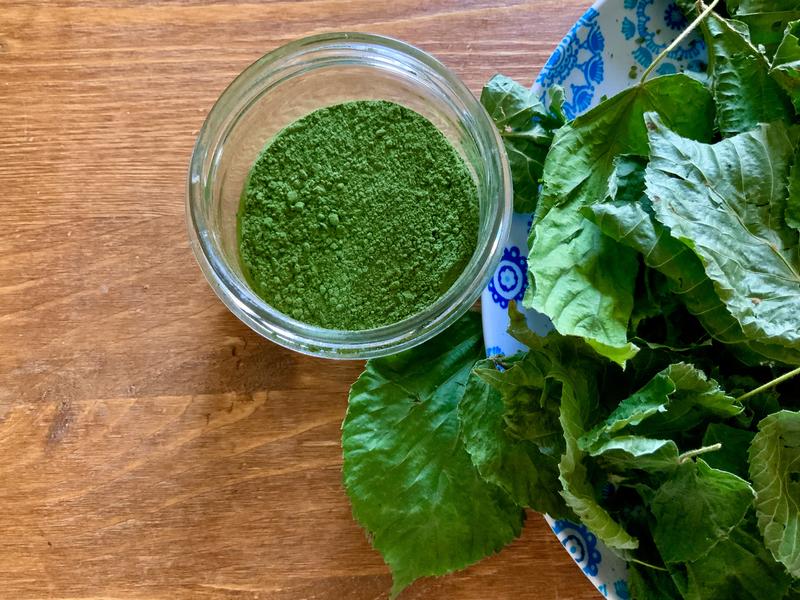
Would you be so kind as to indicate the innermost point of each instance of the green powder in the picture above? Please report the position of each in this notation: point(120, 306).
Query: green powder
point(357, 215)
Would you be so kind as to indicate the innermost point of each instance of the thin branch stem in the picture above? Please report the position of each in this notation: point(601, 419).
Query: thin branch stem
point(692, 453)
point(678, 39)
point(769, 384)
point(641, 562)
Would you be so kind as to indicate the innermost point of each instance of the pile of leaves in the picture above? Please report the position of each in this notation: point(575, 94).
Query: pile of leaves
point(662, 412)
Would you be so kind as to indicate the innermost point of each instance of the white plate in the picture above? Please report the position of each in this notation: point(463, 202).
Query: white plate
point(604, 53)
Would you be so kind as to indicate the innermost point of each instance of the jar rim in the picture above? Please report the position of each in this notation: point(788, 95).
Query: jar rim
point(303, 337)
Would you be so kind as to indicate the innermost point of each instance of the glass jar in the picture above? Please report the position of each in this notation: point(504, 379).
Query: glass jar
point(293, 81)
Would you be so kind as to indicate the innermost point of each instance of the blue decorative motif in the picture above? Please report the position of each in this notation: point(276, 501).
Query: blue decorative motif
point(621, 589)
point(674, 18)
point(493, 351)
point(582, 50)
point(628, 28)
point(510, 278)
point(581, 544)
point(651, 41)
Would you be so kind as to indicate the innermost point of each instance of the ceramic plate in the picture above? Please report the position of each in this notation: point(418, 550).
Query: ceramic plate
point(604, 53)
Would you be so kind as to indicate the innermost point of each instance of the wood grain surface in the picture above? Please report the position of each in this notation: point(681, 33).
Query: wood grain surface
point(152, 446)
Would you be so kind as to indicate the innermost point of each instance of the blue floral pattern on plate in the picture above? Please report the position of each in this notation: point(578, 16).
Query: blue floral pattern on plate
point(580, 52)
point(603, 54)
point(510, 278)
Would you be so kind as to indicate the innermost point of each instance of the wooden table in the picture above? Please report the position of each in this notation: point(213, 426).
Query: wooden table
point(152, 446)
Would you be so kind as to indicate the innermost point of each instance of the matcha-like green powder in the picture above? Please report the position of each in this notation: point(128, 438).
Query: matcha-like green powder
point(357, 215)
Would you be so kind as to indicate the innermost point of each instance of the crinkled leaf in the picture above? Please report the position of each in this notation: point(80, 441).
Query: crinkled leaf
point(726, 202)
point(517, 465)
point(696, 508)
point(530, 400)
point(577, 406)
point(582, 157)
point(410, 479)
point(785, 67)
point(674, 400)
point(576, 369)
point(526, 128)
point(696, 399)
point(583, 281)
point(732, 456)
point(579, 278)
point(745, 93)
point(739, 567)
point(632, 224)
point(775, 472)
point(627, 452)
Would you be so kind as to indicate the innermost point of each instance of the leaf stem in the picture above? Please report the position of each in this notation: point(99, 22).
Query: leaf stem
point(692, 453)
point(678, 40)
point(769, 384)
point(641, 562)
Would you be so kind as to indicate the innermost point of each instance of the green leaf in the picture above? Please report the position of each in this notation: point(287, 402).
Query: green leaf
point(775, 472)
point(785, 67)
point(744, 92)
point(410, 479)
point(632, 224)
point(739, 567)
point(744, 7)
point(766, 19)
point(530, 400)
point(732, 456)
point(792, 214)
point(526, 127)
point(583, 281)
point(674, 400)
point(577, 407)
point(627, 452)
point(514, 463)
point(696, 508)
point(581, 160)
point(766, 29)
point(651, 584)
point(726, 202)
point(579, 278)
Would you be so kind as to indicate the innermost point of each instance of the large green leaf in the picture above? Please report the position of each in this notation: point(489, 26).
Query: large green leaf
point(526, 127)
point(775, 472)
point(696, 508)
point(745, 93)
point(786, 63)
point(581, 279)
point(739, 567)
point(516, 464)
point(632, 224)
point(410, 479)
point(727, 202)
